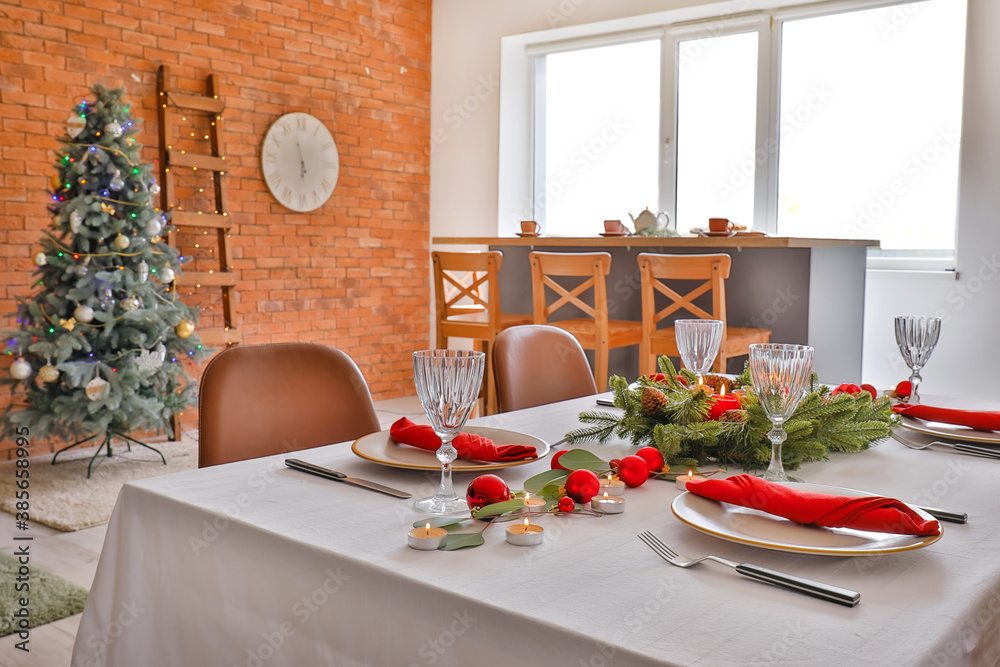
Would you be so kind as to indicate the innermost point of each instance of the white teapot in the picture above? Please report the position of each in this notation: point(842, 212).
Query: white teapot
point(649, 223)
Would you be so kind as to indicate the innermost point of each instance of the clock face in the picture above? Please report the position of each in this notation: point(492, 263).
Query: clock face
point(300, 161)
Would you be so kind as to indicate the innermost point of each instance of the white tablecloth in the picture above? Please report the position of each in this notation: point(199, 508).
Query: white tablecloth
point(253, 564)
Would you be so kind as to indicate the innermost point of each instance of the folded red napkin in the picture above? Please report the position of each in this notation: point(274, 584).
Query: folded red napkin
point(469, 446)
point(986, 421)
point(871, 513)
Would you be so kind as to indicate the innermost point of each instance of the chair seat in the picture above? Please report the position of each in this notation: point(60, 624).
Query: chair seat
point(475, 324)
point(620, 332)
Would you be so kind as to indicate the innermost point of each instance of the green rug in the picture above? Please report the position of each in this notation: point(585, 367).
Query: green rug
point(49, 597)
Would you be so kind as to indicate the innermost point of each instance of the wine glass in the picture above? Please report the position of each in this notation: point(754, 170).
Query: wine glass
point(780, 375)
point(448, 383)
point(916, 337)
point(698, 343)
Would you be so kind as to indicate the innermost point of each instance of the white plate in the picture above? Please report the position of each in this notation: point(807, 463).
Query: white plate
point(760, 529)
point(382, 449)
point(953, 431)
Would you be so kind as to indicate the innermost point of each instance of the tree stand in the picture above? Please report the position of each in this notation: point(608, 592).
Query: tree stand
point(106, 443)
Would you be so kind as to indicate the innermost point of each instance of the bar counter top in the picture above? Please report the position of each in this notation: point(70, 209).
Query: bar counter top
point(736, 241)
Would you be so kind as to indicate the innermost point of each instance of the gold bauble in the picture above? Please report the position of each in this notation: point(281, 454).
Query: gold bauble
point(184, 329)
point(48, 373)
point(56, 182)
point(121, 242)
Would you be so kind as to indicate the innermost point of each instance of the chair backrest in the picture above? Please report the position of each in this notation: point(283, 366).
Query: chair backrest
point(465, 283)
point(258, 400)
point(594, 266)
point(711, 269)
point(539, 364)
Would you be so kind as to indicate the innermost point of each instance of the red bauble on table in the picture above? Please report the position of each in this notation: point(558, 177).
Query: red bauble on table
point(653, 458)
point(486, 490)
point(633, 471)
point(903, 389)
point(566, 504)
point(582, 485)
point(846, 388)
point(871, 390)
point(554, 463)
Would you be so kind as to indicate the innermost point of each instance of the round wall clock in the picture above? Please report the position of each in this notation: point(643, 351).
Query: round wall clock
point(300, 161)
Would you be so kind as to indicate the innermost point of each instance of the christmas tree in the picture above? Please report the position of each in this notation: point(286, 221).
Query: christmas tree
point(102, 343)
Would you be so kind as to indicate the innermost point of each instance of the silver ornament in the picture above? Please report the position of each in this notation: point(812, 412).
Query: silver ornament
point(113, 128)
point(97, 389)
point(167, 275)
point(41, 259)
point(116, 182)
point(143, 271)
point(74, 221)
point(155, 188)
point(153, 227)
point(121, 242)
point(48, 373)
point(131, 303)
point(151, 360)
point(83, 313)
point(20, 369)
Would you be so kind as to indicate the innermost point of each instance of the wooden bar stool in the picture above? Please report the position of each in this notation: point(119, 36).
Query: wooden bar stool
point(712, 270)
point(467, 303)
point(595, 331)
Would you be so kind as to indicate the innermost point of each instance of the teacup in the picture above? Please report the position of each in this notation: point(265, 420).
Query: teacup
point(614, 227)
point(720, 224)
point(529, 227)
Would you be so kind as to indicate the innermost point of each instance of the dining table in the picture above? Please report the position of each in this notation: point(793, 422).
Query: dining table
point(255, 564)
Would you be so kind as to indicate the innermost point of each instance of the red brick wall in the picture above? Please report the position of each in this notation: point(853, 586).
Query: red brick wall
point(352, 274)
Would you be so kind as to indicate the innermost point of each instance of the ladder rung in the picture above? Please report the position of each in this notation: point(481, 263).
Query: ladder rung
point(188, 219)
point(212, 337)
point(177, 159)
point(217, 278)
point(196, 102)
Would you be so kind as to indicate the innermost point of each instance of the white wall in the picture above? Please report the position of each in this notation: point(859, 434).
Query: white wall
point(465, 74)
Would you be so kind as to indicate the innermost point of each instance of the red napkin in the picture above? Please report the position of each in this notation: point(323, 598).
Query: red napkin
point(986, 421)
point(469, 446)
point(871, 513)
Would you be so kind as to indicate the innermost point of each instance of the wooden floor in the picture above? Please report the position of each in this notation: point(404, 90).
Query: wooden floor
point(74, 557)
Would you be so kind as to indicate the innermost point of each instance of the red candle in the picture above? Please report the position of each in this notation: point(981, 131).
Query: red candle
point(722, 402)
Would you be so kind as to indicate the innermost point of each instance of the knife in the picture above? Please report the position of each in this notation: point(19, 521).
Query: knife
point(945, 515)
point(314, 469)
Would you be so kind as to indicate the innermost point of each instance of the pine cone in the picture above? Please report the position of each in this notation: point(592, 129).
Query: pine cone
point(652, 400)
point(734, 416)
point(716, 381)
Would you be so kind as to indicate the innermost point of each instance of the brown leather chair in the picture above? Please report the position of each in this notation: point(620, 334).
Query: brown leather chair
point(538, 364)
point(258, 400)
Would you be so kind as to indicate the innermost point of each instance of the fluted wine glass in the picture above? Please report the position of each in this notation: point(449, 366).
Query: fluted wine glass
point(448, 383)
point(698, 343)
point(916, 337)
point(780, 375)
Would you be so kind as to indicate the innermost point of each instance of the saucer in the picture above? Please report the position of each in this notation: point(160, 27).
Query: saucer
point(614, 233)
point(703, 232)
point(527, 234)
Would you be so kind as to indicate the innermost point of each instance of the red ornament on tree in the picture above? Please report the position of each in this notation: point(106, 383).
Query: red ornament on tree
point(566, 504)
point(486, 490)
point(582, 485)
point(653, 458)
point(633, 471)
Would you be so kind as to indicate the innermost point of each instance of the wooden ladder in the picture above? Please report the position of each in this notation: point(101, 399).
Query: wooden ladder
point(172, 105)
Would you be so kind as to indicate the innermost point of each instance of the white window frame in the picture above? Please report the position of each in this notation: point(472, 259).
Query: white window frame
point(518, 121)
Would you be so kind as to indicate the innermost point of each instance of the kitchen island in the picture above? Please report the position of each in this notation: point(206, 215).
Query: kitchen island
point(804, 290)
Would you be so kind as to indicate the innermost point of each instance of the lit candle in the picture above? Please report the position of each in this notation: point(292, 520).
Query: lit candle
point(608, 504)
point(721, 403)
point(612, 486)
point(525, 534)
point(682, 480)
point(426, 538)
point(533, 504)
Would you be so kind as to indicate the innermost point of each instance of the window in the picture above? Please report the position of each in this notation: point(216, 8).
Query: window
point(839, 119)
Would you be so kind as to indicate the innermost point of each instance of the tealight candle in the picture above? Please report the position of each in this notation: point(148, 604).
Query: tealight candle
point(682, 480)
point(533, 504)
point(426, 538)
point(612, 486)
point(525, 534)
point(608, 504)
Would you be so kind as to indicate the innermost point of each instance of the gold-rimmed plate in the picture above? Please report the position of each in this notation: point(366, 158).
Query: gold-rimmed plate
point(767, 531)
point(950, 431)
point(382, 449)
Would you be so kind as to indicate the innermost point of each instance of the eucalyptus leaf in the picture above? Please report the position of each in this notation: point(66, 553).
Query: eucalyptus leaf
point(581, 459)
point(454, 541)
point(497, 509)
point(550, 492)
point(541, 480)
point(440, 521)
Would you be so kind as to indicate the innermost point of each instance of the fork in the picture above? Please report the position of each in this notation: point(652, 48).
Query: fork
point(798, 584)
point(960, 447)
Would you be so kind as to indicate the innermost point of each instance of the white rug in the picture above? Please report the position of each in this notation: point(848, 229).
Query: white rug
point(61, 495)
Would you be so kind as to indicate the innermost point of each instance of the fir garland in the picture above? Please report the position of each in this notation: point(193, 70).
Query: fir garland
point(681, 430)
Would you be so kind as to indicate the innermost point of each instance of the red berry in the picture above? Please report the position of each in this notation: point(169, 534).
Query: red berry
point(554, 464)
point(653, 458)
point(871, 390)
point(582, 485)
point(486, 490)
point(633, 471)
point(903, 389)
point(566, 504)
